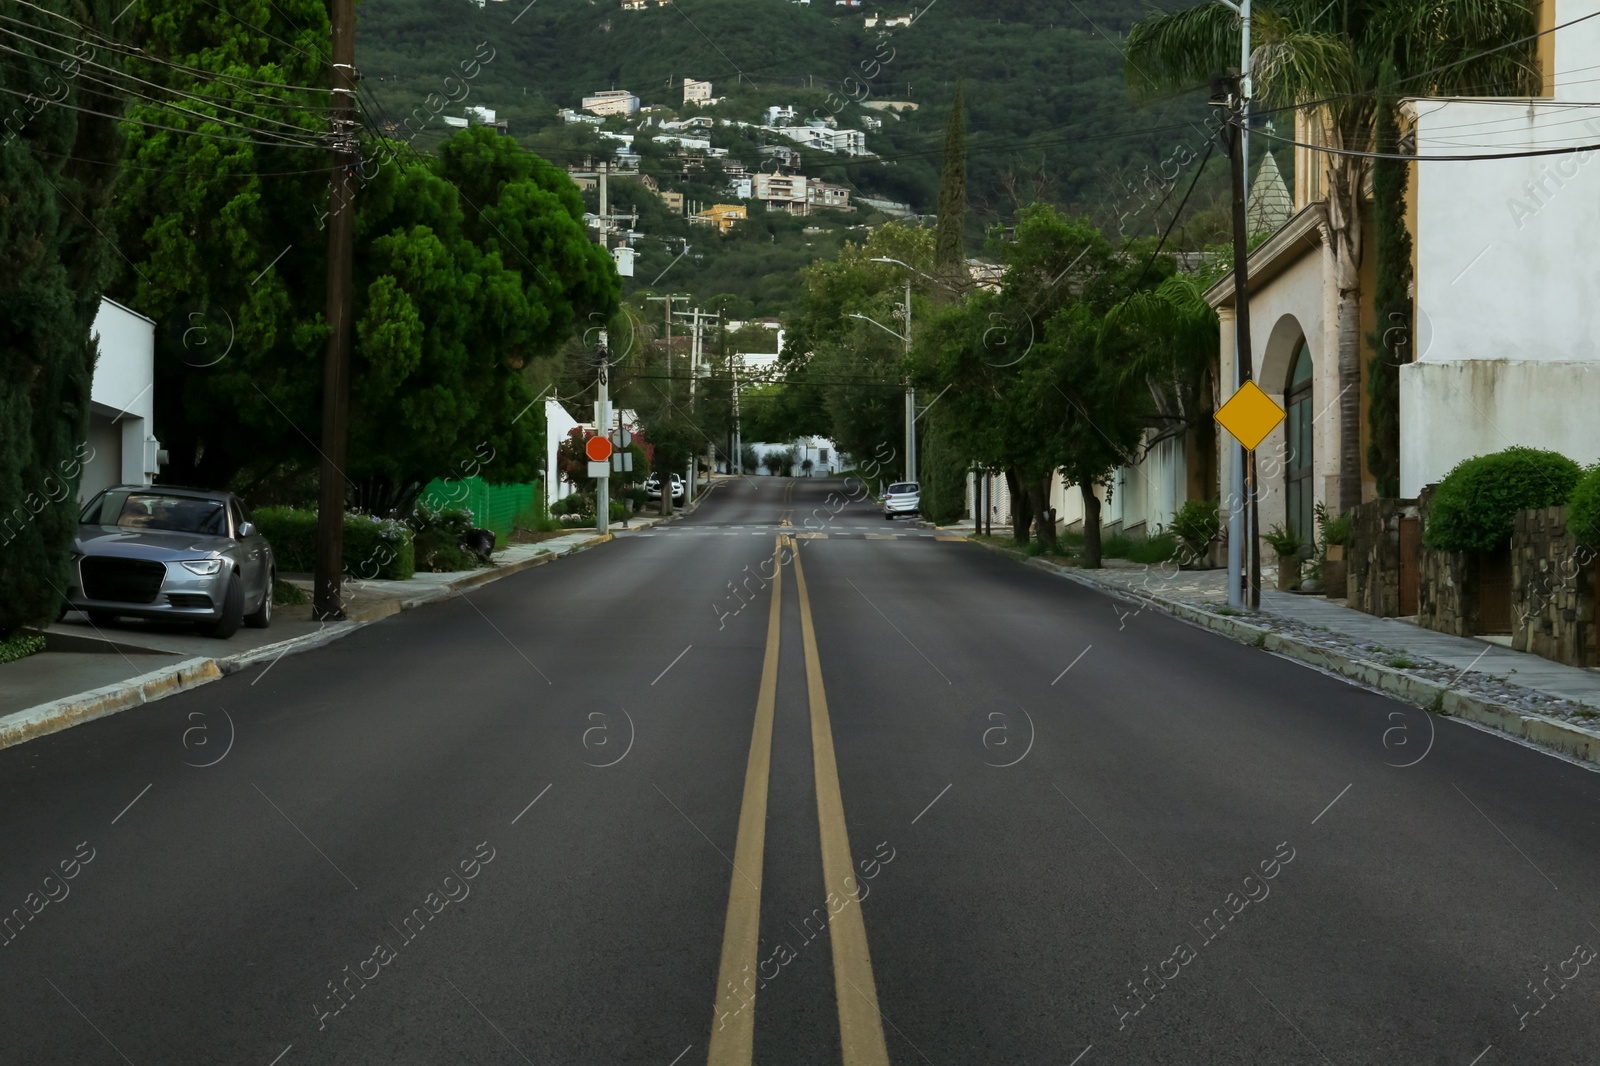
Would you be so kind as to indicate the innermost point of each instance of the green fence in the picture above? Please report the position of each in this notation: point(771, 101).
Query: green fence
point(496, 507)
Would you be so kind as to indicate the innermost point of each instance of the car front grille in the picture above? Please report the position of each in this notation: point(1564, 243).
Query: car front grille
point(121, 580)
point(189, 599)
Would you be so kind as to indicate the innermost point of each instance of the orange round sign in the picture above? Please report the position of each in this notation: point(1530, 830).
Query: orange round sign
point(598, 449)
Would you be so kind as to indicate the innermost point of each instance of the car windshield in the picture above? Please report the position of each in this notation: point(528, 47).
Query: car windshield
point(902, 487)
point(156, 510)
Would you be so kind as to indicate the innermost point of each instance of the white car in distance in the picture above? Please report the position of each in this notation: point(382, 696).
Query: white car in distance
point(904, 498)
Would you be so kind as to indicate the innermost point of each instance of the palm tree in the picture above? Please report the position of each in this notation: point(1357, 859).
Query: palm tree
point(1325, 61)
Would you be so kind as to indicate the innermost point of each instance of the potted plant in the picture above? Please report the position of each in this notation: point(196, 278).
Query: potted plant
point(1331, 552)
point(1196, 525)
point(1288, 546)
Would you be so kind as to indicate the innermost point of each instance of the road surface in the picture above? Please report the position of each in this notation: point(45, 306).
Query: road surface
point(893, 799)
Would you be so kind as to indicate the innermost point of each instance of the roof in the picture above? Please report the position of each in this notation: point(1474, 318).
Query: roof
point(1270, 204)
point(1301, 234)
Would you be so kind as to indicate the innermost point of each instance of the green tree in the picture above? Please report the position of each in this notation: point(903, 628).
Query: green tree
point(1033, 389)
point(57, 167)
point(1323, 60)
point(950, 255)
point(848, 369)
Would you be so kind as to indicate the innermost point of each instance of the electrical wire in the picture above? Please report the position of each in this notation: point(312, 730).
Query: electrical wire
point(155, 125)
point(114, 88)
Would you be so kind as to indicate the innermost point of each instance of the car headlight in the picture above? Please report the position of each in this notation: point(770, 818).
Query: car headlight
point(204, 567)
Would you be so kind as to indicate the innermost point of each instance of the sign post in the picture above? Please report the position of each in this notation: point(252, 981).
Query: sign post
point(600, 464)
point(1248, 416)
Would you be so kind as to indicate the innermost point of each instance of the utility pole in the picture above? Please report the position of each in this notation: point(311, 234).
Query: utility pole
point(328, 597)
point(1238, 528)
point(605, 220)
point(911, 397)
point(1229, 88)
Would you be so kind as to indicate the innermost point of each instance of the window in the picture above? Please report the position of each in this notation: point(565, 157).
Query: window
point(1299, 498)
point(822, 455)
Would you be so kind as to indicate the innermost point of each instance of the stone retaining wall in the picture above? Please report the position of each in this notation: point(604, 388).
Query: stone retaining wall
point(1552, 589)
point(1372, 582)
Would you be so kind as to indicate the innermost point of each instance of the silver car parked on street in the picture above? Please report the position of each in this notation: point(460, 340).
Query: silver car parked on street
point(180, 555)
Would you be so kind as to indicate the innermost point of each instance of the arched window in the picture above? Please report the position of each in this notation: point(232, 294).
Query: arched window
point(1299, 498)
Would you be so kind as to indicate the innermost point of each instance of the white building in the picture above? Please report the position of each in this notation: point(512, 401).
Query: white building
point(568, 115)
point(1507, 343)
point(122, 448)
point(823, 139)
point(777, 115)
point(696, 92)
point(557, 424)
point(611, 102)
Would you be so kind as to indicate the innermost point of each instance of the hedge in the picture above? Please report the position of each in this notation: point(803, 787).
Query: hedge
point(373, 547)
point(1475, 504)
point(1583, 508)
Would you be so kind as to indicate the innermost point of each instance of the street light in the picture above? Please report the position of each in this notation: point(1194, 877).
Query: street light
point(911, 391)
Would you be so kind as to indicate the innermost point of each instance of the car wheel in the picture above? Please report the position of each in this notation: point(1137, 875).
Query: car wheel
point(261, 617)
point(232, 613)
point(102, 618)
point(887, 517)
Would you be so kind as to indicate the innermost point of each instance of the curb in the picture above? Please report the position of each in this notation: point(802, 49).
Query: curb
point(46, 718)
point(64, 713)
point(1578, 742)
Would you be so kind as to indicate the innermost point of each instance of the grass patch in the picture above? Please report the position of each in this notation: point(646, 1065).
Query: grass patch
point(1229, 611)
point(1400, 662)
point(1157, 549)
point(287, 594)
point(20, 646)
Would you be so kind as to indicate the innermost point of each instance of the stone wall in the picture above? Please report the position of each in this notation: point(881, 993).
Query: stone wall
point(1552, 589)
point(1447, 594)
point(1372, 582)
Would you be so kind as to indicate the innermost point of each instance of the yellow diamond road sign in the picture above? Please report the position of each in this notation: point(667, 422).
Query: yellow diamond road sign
point(1250, 415)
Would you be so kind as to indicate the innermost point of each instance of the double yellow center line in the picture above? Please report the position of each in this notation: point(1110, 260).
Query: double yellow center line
point(733, 1020)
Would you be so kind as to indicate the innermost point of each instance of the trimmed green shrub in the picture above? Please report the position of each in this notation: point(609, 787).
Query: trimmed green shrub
point(373, 547)
point(1583, 508)
point(1473, 508)
point(572, 504)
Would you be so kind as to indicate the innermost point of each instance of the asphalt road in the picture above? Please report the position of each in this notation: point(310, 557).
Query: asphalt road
point(552, 821)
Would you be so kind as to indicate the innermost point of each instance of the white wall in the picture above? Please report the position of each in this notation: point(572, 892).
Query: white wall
point(1450, 411)
point(1508, 321)
point(122, 401)
point(1506, 252)
point(558, 423)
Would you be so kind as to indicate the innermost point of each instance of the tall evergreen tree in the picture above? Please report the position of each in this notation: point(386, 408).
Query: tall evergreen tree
point(949, 255)
point(57, 165)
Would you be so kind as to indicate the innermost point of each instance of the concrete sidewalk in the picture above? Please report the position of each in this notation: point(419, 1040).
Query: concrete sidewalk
point(87, 672)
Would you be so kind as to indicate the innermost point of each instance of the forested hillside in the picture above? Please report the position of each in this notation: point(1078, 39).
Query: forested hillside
point(1049, 110)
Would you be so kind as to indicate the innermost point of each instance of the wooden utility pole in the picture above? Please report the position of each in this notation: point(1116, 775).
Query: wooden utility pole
point(328, 597)
point(1229, 87)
